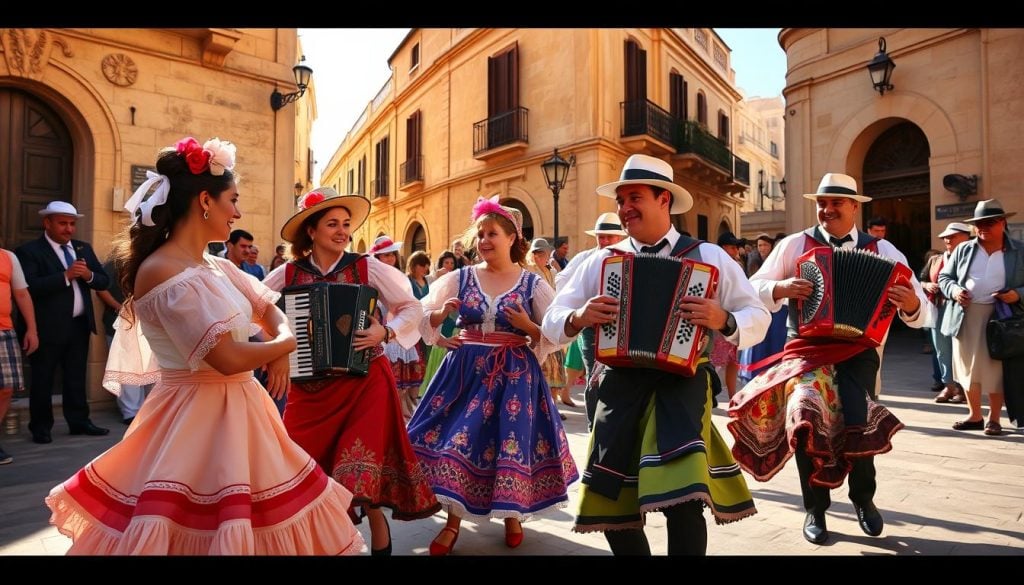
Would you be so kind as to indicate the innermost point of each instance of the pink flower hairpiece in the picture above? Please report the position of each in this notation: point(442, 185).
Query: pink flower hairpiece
point(485, 206)
point(215, 155)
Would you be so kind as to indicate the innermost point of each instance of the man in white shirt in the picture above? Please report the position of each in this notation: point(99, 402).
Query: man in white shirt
point(653, 446)
point(838, 204)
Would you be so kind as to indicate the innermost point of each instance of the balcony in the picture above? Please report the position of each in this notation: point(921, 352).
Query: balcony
point(411, 174)
point(647, 128)
point(379, 187)
point(501, 134)
point(705, 158)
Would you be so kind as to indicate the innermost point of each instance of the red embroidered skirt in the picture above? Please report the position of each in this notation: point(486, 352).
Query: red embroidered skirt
point(353, 427)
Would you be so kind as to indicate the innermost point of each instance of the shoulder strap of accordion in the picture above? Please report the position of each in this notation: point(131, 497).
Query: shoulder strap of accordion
point(815, 234)
point(867, 242)
point(289, 273)
point(360, 261)
point(684, 246)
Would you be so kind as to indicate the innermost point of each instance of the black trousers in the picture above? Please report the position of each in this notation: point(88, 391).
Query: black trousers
point(856, 380)
point(71, 356)
point(687, 534)
point(588, 347)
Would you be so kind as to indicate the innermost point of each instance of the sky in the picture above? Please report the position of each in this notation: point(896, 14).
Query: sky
point(351, 65)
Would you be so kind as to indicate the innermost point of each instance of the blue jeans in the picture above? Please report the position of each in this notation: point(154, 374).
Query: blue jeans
point(943, 355)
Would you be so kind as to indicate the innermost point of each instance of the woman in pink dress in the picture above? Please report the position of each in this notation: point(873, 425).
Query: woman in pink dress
point(206, 467)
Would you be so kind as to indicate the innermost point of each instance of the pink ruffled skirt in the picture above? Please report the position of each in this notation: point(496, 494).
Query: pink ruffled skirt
point(206, 468)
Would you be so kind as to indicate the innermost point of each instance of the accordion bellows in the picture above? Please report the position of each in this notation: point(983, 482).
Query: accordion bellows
point(648, 332)
point(849, 297)
point(325, 317)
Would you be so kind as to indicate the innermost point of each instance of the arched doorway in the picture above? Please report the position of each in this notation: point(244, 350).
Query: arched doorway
point(36, 156)
point(415, 239)
point(527, 218)
point(722, 228)
point(361, 248)
point(895, 176)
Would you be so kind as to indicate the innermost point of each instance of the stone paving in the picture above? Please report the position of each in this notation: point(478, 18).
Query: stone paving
point(941, 492)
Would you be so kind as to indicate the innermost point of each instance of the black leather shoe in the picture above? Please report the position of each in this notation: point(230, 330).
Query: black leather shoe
point(42, 437)
point(814, 528)
point(383, 552)
point(89, 429)
point(869, 518)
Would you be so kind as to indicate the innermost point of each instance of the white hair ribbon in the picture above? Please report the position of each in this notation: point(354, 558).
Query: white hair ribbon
point(159, 197)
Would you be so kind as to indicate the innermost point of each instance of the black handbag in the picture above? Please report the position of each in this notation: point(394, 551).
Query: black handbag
point(1005, 337)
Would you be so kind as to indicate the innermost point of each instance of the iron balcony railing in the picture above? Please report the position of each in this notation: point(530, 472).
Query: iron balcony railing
point(740, 170)
point(507, 128)
point(644, 117)
point(379, 187)
point(411, 170)
point(692, 138)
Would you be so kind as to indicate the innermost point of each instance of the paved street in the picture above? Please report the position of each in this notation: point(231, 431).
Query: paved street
point(941, 492)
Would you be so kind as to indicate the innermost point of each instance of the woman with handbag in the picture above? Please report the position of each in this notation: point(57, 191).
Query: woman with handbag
point(987, 269)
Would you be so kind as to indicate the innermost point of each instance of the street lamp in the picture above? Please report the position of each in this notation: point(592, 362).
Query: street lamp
point(782, 185)
point(556, 171)
point(302, 74)
point(880, 68)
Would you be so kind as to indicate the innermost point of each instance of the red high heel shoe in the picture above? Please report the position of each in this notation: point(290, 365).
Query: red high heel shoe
point(439, 550)
point(513, 539)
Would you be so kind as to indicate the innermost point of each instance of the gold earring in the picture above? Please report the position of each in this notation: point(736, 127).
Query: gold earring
point(206, 214)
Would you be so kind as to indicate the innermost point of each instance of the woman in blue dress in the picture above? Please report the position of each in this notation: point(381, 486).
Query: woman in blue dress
point(486, 432)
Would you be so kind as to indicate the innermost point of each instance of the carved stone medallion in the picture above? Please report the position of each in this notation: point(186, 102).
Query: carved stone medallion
point(119, 69)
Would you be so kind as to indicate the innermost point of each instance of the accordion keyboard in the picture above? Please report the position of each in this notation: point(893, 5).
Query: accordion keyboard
point(300, 361)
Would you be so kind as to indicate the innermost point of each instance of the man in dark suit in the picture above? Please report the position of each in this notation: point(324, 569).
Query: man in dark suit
point(60, 273)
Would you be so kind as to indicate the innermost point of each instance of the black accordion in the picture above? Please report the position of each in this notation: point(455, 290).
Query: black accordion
point(849, 297)
point(325, 317)
point(648, 333)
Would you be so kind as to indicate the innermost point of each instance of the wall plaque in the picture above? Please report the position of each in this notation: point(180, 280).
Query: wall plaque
point(954, 210)
point(139, 175)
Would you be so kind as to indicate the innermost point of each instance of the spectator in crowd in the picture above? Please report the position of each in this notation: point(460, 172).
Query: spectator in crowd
point(955, 234)
point(13, 286)
point(980, 272)
point(61, 273)
point(252, 264)
point(279, 257)
point(561, 254)
point(877, 227)
point(764, 244)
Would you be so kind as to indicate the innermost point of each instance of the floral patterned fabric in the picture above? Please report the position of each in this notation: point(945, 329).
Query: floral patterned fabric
point(768, 426)
point(486, 431)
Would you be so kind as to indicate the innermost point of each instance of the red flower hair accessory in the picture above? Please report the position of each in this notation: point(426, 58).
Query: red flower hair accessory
point(310, 199)
point(196, 157)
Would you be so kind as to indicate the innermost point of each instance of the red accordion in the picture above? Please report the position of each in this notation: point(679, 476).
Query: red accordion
point(849, 297)
point(648, 333)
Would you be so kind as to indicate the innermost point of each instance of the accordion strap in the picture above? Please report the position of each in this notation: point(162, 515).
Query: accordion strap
point(686, 248)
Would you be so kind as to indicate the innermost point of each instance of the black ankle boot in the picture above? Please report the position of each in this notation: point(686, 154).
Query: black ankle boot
point(383, 552)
